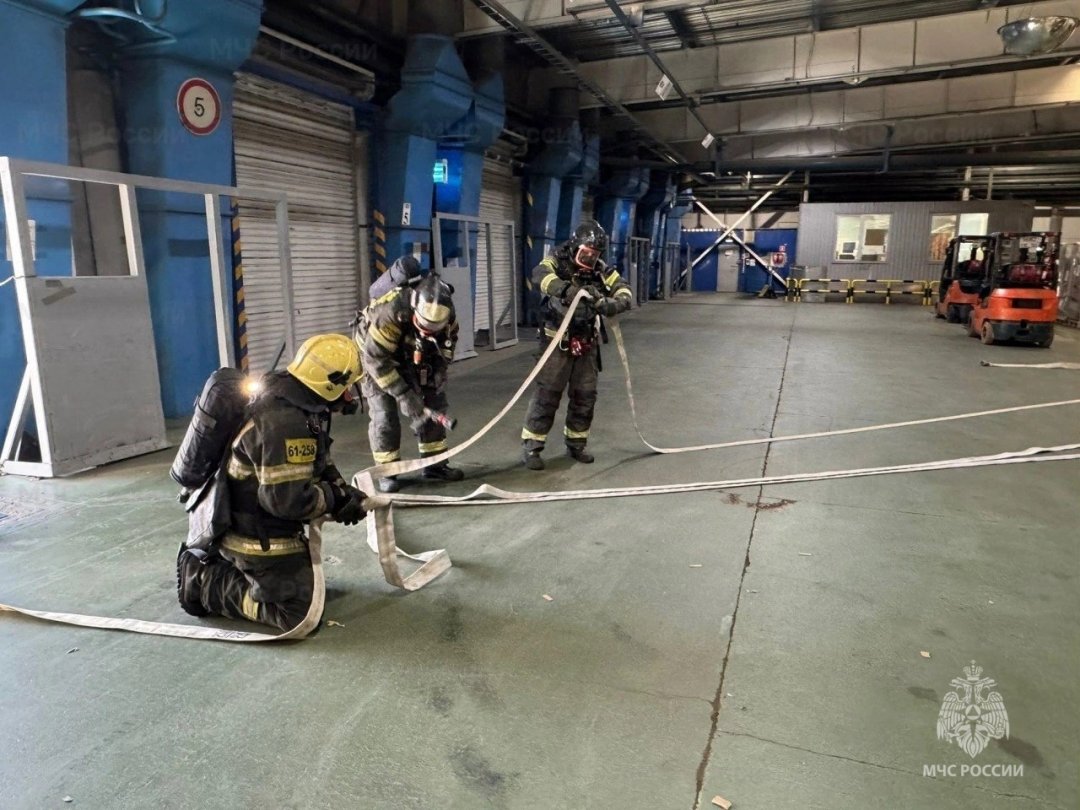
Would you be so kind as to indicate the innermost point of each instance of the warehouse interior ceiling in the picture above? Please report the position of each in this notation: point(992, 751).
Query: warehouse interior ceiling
point(863, 99)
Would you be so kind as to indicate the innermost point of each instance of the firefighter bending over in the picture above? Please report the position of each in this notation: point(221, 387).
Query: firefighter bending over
point(576, 363)
point(407, 339)
point(279, 476)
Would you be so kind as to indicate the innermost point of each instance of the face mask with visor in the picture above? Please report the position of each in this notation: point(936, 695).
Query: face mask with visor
point(586, 258)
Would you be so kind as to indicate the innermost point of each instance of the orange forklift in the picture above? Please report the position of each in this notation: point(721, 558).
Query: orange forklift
point(1018, 291)
point(961, 277)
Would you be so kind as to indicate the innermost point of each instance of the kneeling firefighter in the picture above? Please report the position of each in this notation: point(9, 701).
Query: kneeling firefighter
point(574, 366)
point(407, 339)
point(272, 476)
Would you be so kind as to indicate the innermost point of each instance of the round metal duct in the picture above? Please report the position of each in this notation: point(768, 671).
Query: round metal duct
point(1036, 34)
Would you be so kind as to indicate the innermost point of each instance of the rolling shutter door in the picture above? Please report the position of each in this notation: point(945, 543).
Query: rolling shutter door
point(500, 199)
point(288, 140)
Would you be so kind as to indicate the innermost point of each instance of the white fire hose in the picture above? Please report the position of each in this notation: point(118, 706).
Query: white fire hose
point(380, 523)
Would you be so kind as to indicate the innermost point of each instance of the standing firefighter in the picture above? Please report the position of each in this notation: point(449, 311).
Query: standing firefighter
point(407, 339)
point(576, 363)
point(279, 477)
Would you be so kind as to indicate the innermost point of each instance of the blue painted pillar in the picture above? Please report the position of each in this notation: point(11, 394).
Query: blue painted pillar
point(175, 247)
point(561, 156)
point(573, 188)
point(469, 137)
point(660, 195)
point(684, 201)
point(571, 197)
point(616, 211)
point(435, 93)
point(34, 99)
point(211, 43)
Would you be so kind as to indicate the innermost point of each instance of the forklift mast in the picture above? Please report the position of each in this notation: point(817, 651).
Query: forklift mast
point(1022, 260)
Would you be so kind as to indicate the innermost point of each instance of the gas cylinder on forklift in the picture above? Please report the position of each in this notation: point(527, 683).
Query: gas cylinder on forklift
point(1018, 292)
point(961, 277)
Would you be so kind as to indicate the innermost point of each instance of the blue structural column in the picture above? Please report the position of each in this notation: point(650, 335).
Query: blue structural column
point(616, 211)
point(574, 186)
point(684, 201)
point(34, 100)
point(660, 195)
point(561, 156)
point(211, 42)
point(464, 155)
point(435, 94)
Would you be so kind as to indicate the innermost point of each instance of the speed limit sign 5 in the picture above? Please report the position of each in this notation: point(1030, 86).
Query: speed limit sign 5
point(199, 106)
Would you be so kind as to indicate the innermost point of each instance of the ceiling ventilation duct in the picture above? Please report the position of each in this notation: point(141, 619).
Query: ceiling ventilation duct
point(1036, 34)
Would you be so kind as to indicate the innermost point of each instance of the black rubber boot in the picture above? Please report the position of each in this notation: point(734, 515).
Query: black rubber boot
point(389, 484)
point(531, 459)
point(580, 454)
point(443, 472)
point(190, 566)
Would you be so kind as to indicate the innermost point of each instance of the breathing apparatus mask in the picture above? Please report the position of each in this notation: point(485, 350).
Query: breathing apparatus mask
point(587, 246)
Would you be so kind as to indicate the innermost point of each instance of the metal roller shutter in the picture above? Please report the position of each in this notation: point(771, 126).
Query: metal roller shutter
point(500, 199)
point(293, 141)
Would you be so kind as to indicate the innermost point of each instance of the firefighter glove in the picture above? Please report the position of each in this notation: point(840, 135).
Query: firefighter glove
point(607, 307)
point(348, 505)
point(412, 405)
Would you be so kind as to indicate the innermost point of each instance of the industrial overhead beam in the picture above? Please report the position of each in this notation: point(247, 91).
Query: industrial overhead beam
point(851, 56)
point(498, 12)
point(620, 15)
point(1067, 157)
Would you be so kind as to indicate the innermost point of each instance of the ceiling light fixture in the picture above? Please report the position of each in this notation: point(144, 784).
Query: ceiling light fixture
point(1036, 34)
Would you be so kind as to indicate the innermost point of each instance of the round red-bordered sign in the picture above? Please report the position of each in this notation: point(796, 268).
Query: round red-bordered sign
point(199, 106)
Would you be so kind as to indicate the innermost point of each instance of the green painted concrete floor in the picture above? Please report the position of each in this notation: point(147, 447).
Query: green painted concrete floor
point(765, 647)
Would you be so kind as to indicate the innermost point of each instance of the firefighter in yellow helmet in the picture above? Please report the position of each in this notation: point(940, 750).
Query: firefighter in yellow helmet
point(280, 477)
point(407, 340)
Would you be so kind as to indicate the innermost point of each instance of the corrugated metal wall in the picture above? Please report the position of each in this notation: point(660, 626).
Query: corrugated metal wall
point(909, 235)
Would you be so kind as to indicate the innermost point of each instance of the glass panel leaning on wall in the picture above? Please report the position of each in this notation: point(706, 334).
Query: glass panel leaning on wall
point(862, 237)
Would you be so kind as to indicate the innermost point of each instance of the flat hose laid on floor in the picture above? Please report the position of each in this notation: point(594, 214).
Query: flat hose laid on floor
point(382, 538)
point(202, 633)
point(380, 523)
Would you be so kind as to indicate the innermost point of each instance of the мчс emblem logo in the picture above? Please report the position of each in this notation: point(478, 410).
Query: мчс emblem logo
point(971, 716)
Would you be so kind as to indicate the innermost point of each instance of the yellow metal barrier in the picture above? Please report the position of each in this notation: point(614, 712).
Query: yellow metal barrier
point(850, 287)
point(887, 287)
point(792, 289)
point(826, 289)
point(930, 293)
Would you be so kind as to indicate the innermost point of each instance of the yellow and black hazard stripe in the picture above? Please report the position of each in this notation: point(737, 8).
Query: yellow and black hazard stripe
point(379, 232)
point(239, 310)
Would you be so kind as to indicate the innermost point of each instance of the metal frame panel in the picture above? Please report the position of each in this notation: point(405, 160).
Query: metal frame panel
point(640, 249)
point(33, 387)
point(485, 225)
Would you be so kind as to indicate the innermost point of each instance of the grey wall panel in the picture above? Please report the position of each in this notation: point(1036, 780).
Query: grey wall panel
point(98, 369)
point(909, 235)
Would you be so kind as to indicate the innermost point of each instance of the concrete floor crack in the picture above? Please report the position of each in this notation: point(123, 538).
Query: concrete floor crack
point(661, 695)
point(714, 720)
point(819, 753)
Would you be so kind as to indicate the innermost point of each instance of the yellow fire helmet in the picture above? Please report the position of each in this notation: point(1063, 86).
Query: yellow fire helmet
point(432, 304)
point(327, 364)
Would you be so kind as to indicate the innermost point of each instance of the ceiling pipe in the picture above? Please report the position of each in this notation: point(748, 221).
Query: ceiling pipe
point(620, 15)
point(900, 162)
point(498, 12)
point(319, 52)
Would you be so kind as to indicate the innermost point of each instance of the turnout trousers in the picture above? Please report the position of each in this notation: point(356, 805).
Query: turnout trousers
point(579, 377)
point(384, 429)
point(272, 587)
